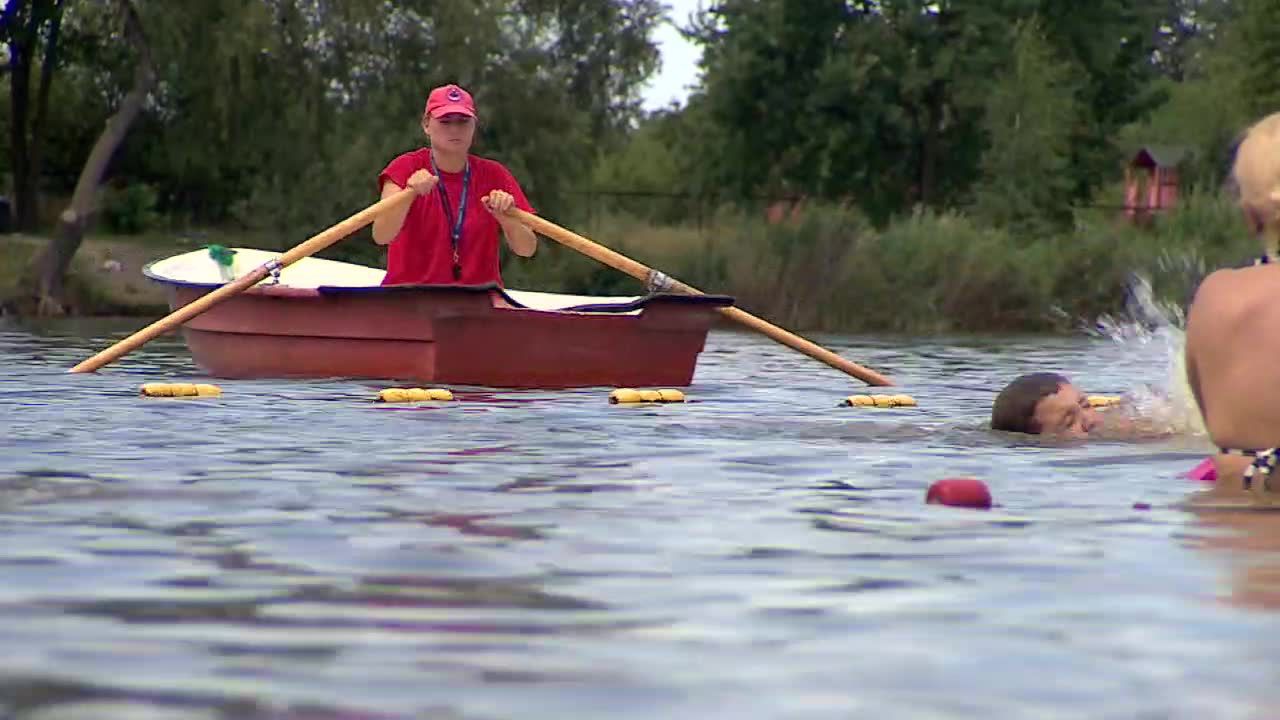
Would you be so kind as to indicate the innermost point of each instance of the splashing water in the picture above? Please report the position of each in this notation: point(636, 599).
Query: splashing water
point(1153, 330)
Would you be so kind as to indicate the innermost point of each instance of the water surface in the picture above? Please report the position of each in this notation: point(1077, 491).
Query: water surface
point(293, 550)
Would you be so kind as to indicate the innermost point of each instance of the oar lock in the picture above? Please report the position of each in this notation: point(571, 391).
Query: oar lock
point(656, 281)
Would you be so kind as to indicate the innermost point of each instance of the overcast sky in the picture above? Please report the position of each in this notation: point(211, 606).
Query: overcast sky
point(679, 60)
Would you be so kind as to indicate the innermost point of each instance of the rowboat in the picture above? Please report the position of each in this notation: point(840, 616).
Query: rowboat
point(320, 318)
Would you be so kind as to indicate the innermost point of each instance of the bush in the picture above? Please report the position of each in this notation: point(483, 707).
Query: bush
point(130, 210)
point(829, 270)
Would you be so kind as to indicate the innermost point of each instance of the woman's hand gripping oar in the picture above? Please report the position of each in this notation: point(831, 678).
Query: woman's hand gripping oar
point(656, 279)
point(311, 246)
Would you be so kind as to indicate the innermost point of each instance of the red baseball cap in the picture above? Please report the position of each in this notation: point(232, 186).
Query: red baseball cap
point(449, 99)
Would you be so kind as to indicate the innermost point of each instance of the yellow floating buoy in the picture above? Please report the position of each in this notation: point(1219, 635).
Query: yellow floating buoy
point(1104, 401)
point(399, 395)
point(879, 401)
point(624, 395)
point(631, 395)
point(179, 390)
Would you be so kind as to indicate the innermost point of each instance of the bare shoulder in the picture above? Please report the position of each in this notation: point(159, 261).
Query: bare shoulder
point(1214, 284)
point(1213, 299)
point(1217, 289)
point(1230, 298)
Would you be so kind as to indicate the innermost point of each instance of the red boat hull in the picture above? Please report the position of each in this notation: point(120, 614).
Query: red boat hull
point(445, 335)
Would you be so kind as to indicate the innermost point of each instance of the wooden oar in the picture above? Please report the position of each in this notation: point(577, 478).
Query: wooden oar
point(312, 245)
point(658, 281)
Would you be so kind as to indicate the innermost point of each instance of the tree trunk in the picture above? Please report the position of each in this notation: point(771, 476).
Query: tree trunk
point(20, 20)
point(52, 264)
point(928, 164)
point(35, 152)
point(931, 128)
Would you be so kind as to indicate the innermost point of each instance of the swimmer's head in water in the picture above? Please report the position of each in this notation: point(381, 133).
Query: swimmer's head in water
point(1256, 175)
point(1043, 404)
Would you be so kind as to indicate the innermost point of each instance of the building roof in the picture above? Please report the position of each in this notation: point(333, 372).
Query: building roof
point(1160, 155)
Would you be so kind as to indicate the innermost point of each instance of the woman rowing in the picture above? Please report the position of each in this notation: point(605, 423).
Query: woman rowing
point(449, 233)
point(1233, 334)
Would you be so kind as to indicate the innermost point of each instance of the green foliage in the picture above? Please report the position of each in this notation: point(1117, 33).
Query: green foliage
point(1207, 232)
point(1201, 115)
point(15, 255)
point(884, 102)
point(280, 114)
point(680, 250)
point(1031, 113)
point(1251, 51)
point(649, 168)
point(888, 116)
point(131, 209)
point(830, 270)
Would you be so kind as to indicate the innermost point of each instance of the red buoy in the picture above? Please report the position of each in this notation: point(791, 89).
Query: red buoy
point(959, 492)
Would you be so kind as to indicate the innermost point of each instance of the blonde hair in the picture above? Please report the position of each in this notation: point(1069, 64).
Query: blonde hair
point(1257, 177)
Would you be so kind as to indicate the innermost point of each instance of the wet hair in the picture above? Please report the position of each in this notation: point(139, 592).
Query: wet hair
point(1015, 407)
point(1256, 177)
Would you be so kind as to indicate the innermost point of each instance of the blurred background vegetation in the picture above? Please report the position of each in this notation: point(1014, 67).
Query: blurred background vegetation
point(887, 165)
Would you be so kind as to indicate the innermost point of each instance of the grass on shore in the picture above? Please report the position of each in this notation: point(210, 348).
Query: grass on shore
point(829, 270)
point(106, 274)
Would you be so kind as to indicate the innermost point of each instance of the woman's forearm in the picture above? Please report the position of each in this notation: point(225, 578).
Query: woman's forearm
point(387, 225)
point(520, 238)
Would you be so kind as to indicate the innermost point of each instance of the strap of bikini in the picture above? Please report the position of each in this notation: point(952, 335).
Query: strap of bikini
point(1264, 463)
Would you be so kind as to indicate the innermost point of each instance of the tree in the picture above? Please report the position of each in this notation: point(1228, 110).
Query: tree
point(1030, 115)
point(1226, 81)
point(878, 100)
point(1186, 29)
point(30, 30)
point(51, 264)
point(645, 176)
point(603, 49)
point(1249, 56)
point(280, 113)
point(761, 61)
point(1113, 42)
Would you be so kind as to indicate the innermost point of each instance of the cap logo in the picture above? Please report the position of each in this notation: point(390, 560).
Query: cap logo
point(454, 95)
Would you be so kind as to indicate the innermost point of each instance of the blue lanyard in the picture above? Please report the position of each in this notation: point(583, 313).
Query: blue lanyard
point(455, 225)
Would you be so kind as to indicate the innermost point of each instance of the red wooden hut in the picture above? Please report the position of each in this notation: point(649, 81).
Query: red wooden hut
point(1151, 181)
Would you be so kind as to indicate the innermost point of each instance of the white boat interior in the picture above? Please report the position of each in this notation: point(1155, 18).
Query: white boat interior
point(199, 268)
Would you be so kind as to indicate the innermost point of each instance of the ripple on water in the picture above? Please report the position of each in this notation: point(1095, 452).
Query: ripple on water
point(293, 550)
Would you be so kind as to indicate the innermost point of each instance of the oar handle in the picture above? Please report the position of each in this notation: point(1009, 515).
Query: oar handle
point(312, 245)
point(648, 275)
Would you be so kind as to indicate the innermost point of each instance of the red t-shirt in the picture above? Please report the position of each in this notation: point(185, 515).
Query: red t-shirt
point(421, 253)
